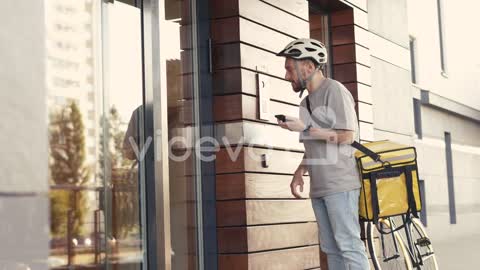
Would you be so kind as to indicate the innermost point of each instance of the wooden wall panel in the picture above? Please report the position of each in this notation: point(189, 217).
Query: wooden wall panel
point(238, 107)
point(360, 4)
point(224, 8)
point(342, 17)
point(342, 35)
point(227, 56)
point(238, 80)
point(365, 112)
point(366, 131)
point(256, 10)
point(258, 212)
point(343, 54)
point(256, 59)
point(297, 7)
point(185, 37)
point(249, 160)
point(360, 18)
point(257, 134)
point(256, 186)
point(362, 55)
point(236, 55)
point(346, 73)
point(225, 163)
point(364, 93)
point(287, 259)
point(364, 74)
point(261, 238)
point(231, 107)
point(347, 34)
point(231, 186)
point(236, 29)
point(360, 92)
point(362, 36)
point(225, 30)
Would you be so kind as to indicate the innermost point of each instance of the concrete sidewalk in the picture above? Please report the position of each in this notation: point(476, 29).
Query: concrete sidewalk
point(458, 254)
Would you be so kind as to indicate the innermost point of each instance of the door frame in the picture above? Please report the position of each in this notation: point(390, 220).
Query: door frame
point(156, 120)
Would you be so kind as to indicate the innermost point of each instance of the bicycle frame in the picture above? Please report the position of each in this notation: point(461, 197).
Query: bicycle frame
point(413, 251)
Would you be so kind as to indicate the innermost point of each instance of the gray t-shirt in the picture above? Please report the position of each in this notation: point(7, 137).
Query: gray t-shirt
point(331, 167)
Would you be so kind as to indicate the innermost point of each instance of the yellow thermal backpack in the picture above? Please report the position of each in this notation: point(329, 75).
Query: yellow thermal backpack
point(389, 176)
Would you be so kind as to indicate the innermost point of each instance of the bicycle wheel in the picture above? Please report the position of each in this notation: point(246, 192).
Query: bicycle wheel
point(387, 250)
point(425, 256)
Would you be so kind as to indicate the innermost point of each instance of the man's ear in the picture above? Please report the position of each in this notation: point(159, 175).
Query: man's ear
point(310, 65)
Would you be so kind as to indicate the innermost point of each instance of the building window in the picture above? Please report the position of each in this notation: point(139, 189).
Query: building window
point(441, 35)
point(451, 189)
point(413, 52)
point(417, 117)
point(319, 30)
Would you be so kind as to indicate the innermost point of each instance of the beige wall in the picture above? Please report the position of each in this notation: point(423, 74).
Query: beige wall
point(432, 167)
point(461, 84)
point(23, 97)
point(390, 24)
point(462, 54)
point(23, 136)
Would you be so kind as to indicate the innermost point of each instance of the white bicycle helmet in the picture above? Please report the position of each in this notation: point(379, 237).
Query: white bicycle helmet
point(306, 48)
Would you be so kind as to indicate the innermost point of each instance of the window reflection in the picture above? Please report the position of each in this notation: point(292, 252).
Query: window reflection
point(96, 134)
point(177, 62)
point(95, 182)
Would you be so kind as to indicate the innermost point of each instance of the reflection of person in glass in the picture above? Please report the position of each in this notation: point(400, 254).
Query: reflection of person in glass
point(131, 140)
point(126, 217)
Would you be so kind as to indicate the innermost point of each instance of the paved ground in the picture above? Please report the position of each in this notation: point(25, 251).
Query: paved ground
point(459, 254)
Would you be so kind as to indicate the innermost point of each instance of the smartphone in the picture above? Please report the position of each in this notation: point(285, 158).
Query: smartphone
point(281, 117)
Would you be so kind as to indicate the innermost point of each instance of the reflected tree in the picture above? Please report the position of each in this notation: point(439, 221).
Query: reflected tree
point(68, 171)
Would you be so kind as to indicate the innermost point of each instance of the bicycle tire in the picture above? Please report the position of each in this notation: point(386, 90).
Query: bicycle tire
point(424, 248)
point(385, 259)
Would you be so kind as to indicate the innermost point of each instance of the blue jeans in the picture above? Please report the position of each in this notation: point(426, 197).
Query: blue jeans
point(337, 219)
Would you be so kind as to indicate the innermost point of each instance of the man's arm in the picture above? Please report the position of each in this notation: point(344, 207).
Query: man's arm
point(302, 167)
point(297, 180)
point(336, 136)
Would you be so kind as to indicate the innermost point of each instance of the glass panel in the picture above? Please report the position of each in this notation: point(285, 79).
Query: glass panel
point(176, 53)
point(96, 197)
point(122, 126)
point(129, 2)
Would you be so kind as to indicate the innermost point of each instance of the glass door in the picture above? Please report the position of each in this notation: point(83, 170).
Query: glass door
point(123, 116)
point(177, 96)
point(123, 137)
point(96, 135)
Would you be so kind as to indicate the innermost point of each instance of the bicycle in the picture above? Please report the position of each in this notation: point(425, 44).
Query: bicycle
point(402, 244)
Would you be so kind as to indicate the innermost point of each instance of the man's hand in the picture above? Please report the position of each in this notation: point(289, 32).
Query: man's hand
point(297, 181)
point(292, 124)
